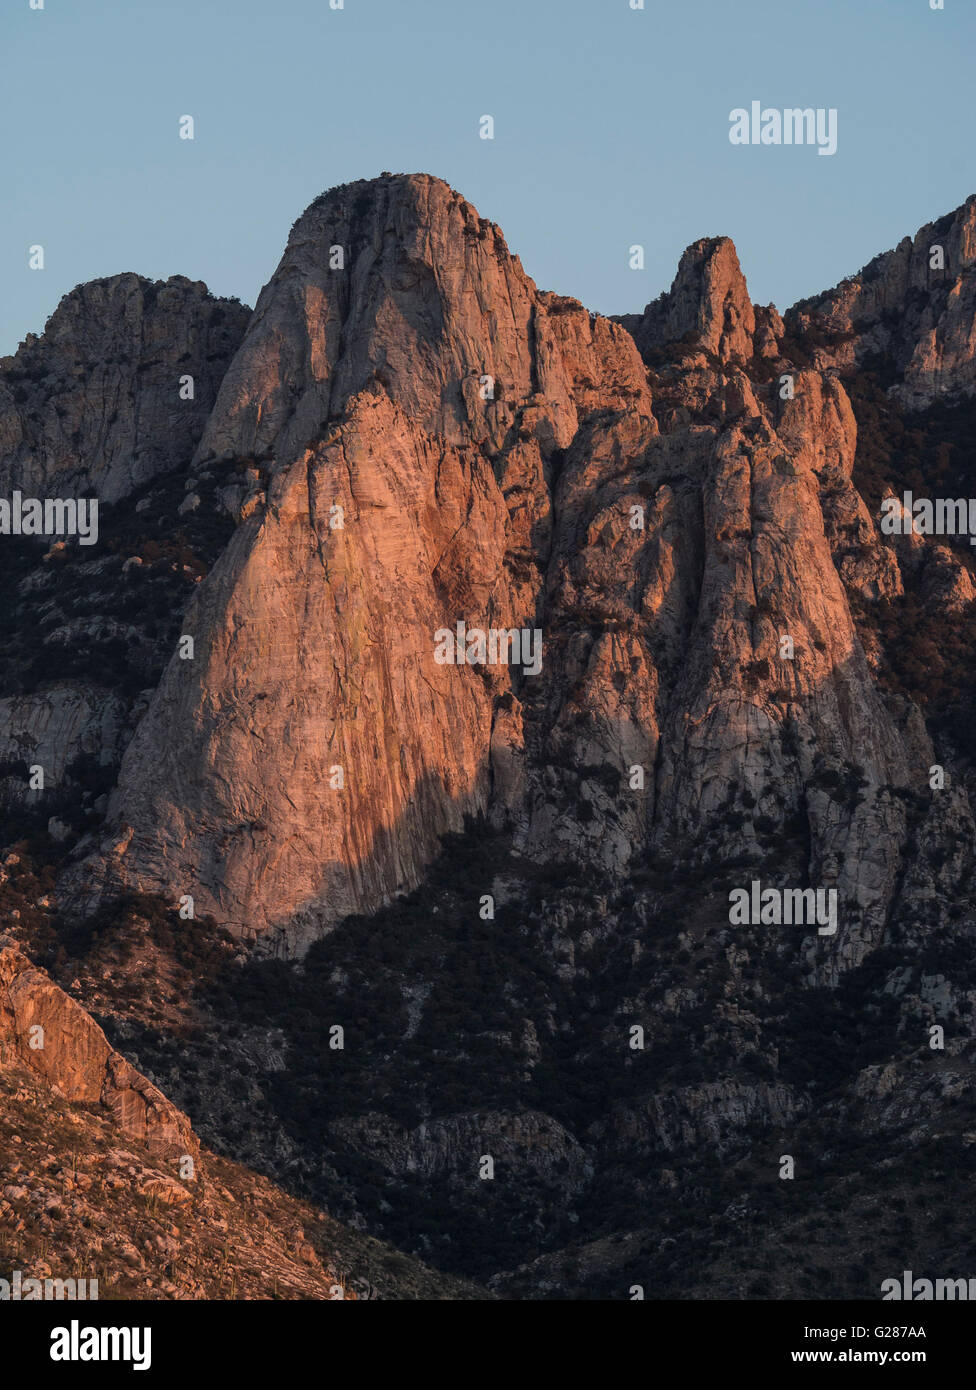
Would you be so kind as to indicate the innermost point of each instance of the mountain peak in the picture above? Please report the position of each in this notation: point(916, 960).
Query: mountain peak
point(395, 280)
point(94, 403)
point(708, 301)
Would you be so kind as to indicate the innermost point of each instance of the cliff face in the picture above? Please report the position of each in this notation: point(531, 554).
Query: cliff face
point(915, 306)
point(708, 304)
point(772, 699)
point(101, 404)
point(93, 405)
point(422, 397)
point(436, 441)
point(45, 1030)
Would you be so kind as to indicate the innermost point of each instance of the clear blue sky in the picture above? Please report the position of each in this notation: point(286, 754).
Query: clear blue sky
point(611, 128)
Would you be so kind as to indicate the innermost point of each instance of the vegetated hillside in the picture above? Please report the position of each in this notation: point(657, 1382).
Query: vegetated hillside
point(102, 1179)
point(76, 1202)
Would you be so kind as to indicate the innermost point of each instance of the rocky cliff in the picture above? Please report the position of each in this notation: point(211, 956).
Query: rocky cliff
point(439, 442)
point(507, 884)
point(100, 402)
point(914, 306)
point(42, 1028)
point(108, 402)
point(411, 411)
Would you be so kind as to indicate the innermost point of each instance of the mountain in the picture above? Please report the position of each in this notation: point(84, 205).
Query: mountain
point(94, 404)
point(507, 884)
point(361, 389)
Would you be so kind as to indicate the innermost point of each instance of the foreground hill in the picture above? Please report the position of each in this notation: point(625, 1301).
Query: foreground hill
point(103, 1179)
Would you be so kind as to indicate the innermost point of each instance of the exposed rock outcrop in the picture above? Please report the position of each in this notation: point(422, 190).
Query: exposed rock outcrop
point(94, 406)
point(743, 680)
point(53, 728)
point(708, 305)
point(46, 1030)
point(421, 396)
point(444, 443)
point(914, 308)
point(453, 1148)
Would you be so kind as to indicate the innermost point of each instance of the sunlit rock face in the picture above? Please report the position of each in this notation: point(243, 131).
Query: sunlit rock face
point(915, 305)
point(290, 669)
point(45, 1030)
point(413, 411)
point(663, 500)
